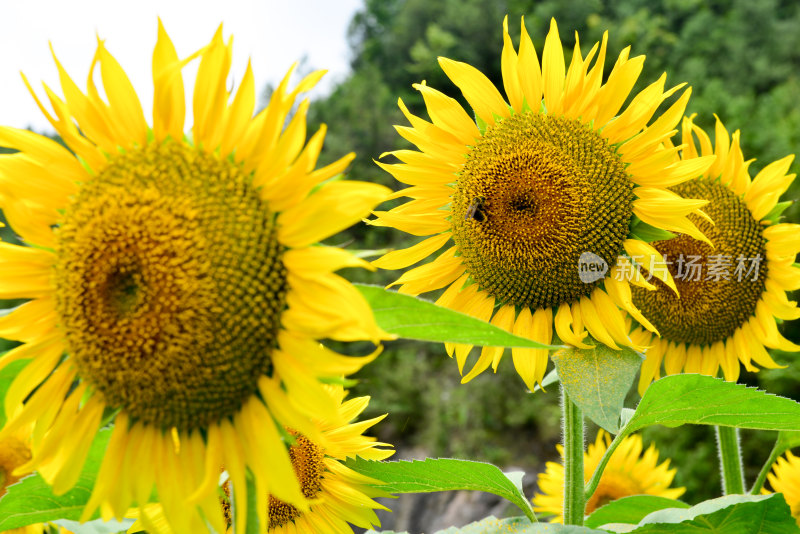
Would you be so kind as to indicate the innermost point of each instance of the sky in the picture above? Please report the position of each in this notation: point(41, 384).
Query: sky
point(274, 33)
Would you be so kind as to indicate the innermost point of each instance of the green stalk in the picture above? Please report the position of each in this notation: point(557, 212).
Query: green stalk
point(730, 460)
point(591, 486)
point(572, 419)
point(762, 476)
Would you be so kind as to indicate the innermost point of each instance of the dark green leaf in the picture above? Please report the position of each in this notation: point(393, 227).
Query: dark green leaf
point(442, 474)
point(414, 318)
point(696, 399)
point(630, 509)
point(597, 380)
point(732, 514)
point(31, 500)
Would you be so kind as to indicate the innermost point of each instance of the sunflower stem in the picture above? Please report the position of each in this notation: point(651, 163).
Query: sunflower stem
point(591, 486)
point(572, 419)
point(730, 460)
point(762, 475)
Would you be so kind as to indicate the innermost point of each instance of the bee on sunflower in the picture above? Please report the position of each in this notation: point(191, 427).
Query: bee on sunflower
point(520, 196)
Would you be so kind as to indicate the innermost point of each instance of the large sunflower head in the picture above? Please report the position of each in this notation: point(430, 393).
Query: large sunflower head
point(537, 200)
point(628, 472)
point(732, 287)
point(175, 281)
point(785, 478)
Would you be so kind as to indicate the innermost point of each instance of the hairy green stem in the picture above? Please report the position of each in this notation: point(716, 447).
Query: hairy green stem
point(591, 486)
point(572, 419)
point(762, 476)
point(730, 460)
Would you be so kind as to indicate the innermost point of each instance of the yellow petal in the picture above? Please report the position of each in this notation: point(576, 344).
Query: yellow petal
point(563, 324)
point(553, 70)
point(652, 260)
point(332, 208)
point(27, 272)
point(169, 106)
point(312, 261)
point(124, 106)
point(524, 359)
point(397, 259)
point(508, 64)
point(240, 112)
point(480, 93)
point(530, 74)
point(210, 92)
point(448, 115)
point(593, 323)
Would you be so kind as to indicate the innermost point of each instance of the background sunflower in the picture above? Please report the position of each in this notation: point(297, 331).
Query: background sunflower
point(629, 472)
point(734, 290)
point(785, 478)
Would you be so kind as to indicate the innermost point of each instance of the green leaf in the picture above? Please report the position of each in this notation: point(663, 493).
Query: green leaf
point(732, 514)
point(788, 440)
point(597, 380)
point(442, 474)
point(697, 399)
point(414, 318)
point(630, 509)
point(511, 525)
point(31, 500)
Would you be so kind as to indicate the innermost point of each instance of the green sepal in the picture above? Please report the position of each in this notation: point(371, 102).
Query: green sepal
point(481, 124)
point(775, 213)
point(647, 232)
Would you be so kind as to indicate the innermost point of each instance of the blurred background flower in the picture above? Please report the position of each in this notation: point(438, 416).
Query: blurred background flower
point(629, 472)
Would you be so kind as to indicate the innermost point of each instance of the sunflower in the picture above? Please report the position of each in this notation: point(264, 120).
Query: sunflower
point(339, 494)
point(628, 472)
point(734, 287)
point(785, 478)
point(539, 197)
point(174, 284)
